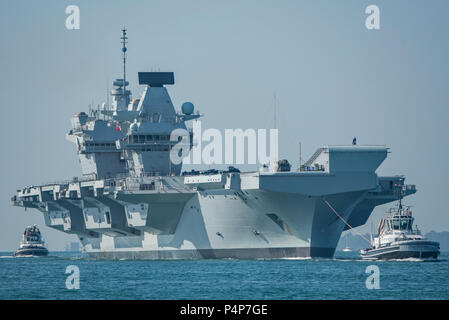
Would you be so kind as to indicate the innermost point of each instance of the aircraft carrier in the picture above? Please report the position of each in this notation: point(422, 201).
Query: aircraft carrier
point(132, 202)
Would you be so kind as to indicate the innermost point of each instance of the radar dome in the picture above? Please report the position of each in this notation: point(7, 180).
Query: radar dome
point(187, 108)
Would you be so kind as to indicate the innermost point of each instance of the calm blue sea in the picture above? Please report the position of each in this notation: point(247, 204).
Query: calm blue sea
point(341, 278)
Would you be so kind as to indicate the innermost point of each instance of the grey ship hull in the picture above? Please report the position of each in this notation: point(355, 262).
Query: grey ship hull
point(237, 253)
point(227, 215)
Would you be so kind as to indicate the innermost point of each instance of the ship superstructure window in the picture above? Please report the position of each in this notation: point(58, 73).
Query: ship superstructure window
point(94, 144)
point(147, 138)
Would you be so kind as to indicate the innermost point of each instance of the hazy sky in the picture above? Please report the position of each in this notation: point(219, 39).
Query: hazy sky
point(333, 79)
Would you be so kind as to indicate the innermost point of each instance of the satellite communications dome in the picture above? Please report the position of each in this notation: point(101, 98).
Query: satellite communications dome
point(187, 108)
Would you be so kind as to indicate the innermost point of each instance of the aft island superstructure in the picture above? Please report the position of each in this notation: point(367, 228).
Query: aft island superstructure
point(134, 202)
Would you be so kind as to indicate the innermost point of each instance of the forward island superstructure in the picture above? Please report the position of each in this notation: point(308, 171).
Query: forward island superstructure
point(133, 202)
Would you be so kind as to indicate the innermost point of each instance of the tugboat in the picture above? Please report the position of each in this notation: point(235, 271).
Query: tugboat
point(32, 243)
point(397, 239)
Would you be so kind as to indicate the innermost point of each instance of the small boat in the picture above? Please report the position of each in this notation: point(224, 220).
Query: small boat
point(397, 239)
point(32, 243)
point(347, 247)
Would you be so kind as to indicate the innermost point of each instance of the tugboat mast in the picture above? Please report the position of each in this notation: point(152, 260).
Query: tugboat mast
point(400, 195)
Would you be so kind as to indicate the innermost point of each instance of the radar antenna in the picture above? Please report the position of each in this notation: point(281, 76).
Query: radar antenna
point(124, 42)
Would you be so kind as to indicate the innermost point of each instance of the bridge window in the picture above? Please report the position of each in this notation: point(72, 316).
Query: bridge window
point(405, 224)
point(400, 224)
point(395, 224)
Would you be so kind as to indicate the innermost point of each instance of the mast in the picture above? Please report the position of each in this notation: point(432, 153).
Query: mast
point(275, 167)
point(400, 195)
point(124, 42)
point(107, 94)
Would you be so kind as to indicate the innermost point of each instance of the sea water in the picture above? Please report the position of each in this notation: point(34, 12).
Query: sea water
point(344, 277)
